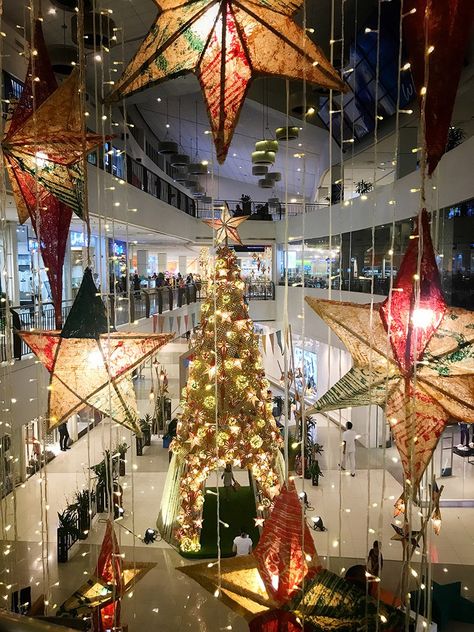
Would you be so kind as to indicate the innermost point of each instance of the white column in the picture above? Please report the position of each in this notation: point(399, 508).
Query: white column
point(162, 261)
point(183, 265)
point(142, 262)
point(11, 264)
point(67, 285)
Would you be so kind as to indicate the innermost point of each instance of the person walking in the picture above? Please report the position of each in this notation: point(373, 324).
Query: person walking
point(348, 450)
point(242, 544)
point(64, 437)
point(375, 560)
point(229, 480)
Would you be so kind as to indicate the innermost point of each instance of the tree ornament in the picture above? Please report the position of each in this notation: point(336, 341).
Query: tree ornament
point(43, 145)
point(437, 339)
point(226, 43)
point(88, 365)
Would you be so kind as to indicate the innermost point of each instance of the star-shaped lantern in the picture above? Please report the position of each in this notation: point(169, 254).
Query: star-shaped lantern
point(226, 226)
point(226, 43)
point(412, 355)
point(43, 144)
point(406, 536)
point(88, 365)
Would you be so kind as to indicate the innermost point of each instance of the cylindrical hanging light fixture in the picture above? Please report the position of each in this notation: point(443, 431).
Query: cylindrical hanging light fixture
point(199, 191)
point(191, 184)
point(266, 145)
point(273, 175)
point(259, 170)
point(197, 169)
point(206, 199)
point(167, 147)
point(287, 133)
point(265, 183)
point(179, 160)
point(180, 174)
point(263, 157)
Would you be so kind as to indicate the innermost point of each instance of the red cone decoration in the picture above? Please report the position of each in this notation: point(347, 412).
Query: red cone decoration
point(437, 23)
point(283, 559)
point(412, 325)
point(109, 570)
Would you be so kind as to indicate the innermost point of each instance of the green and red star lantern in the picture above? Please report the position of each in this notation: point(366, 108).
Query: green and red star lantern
point(90, 365)
point(43, 147)
point(226, 417)
point(412, 329)
point(226, 226)
point(226, 43)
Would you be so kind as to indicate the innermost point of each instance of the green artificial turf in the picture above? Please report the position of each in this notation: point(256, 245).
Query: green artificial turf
point(238, 512)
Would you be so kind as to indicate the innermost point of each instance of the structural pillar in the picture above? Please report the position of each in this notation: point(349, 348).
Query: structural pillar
point(183, 265)
point(162, 261)
point(142, 263)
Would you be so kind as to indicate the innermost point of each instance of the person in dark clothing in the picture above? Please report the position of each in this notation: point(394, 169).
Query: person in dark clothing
point(375, 560)
point(64, 437)
point(136, 285)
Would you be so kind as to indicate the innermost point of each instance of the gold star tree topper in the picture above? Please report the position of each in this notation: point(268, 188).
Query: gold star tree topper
point(226, 226)
point(226, 43)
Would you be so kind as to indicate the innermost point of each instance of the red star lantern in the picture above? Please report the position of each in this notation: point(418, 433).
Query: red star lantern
point(43, 143)
point(427, 26)
point(438, 339)
point(416, 306)
point(285, 557)
point(226, 43)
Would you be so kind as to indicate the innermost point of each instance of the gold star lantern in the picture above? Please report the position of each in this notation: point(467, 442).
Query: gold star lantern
point(226, 43)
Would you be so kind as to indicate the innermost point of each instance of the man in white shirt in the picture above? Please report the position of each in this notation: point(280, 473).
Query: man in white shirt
point(242, 544)
point(348, 450)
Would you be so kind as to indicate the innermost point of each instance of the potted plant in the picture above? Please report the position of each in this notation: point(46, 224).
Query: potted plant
point(67, 532)
point(104, 481)
point(145, 426)
point(121, 450)
point(315, 472)
point(83, 505)
point(246, 204)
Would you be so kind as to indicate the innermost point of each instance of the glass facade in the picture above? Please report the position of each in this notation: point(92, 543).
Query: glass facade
point(364, 260)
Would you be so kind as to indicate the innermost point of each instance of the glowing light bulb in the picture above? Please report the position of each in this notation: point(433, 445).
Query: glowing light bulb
point(94, 359)
point(422, 317)
point(40, 159)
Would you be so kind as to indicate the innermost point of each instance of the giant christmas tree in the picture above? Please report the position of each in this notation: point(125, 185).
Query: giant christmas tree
point(226, 416)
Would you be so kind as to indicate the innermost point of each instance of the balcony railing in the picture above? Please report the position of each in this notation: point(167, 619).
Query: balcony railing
point(123, 309)
point(146, 180)
point(265, 211)
point(254, 291)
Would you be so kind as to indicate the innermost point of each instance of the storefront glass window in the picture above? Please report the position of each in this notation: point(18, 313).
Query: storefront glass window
point(364, 260)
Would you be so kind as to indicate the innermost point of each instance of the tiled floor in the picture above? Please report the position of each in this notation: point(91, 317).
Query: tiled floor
point(355, 510)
